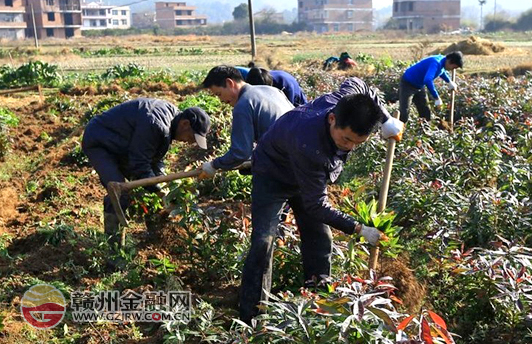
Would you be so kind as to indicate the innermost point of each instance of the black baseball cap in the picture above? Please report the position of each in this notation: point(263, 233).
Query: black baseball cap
point(200, 123)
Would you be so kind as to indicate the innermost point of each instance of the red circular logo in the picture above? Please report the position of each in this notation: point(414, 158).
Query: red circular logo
point(43, 306)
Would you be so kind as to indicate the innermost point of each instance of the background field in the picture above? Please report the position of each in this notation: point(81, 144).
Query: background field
point(280, 49)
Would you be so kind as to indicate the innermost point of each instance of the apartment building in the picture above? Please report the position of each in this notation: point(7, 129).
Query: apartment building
point(427, 16)
point(98, 16)
point(169, 15)
point(12, 24)
point(336, 15)
point(54, 18)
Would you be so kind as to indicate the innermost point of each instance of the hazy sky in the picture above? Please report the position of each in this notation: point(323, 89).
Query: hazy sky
point(514, 5)
point(509, 5)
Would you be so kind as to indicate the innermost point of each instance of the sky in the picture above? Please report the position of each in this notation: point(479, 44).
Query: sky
point(513, 5)
point(508, 5)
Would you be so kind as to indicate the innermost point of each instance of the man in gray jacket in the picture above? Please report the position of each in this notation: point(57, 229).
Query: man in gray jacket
point(256, 108)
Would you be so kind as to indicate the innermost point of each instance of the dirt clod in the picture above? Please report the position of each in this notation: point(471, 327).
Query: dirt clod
point(410, 290)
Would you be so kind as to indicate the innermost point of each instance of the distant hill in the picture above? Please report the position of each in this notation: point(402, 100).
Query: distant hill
point(216, 11)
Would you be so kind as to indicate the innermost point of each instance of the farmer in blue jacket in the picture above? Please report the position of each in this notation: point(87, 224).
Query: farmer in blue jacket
point(421, 74)
point(278, 79)
point(255, 108)
point(130, 140)
point(243, 71)
point(293, 162)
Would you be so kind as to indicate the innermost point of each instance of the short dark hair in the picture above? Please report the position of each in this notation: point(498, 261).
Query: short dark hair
point(359, 112)
point(259, 76)
point(218, 75)
point(456, 58)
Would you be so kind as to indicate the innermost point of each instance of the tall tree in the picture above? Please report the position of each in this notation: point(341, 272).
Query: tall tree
point(241, 12)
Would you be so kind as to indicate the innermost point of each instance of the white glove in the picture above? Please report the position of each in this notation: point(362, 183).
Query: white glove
point(438, 102)
point(452, 85)
point(371, 235)
point(392, 128)
point(208, 170)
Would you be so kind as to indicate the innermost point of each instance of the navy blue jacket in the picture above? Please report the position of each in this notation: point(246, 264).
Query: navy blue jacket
point(290, 87)
point(138, 131)
point(298, 150)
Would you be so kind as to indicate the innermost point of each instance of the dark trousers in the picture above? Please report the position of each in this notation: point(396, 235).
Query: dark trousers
point(407, 93)
point(110, 168)
point(268, 199)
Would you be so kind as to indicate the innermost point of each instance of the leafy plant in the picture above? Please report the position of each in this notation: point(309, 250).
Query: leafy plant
point(352, 310)
point(57, 233)
point(31, 73)
point(122, 71)
point(366, 213)
point(7, 119)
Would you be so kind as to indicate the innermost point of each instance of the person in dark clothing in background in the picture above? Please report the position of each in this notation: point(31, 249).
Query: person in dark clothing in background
point(129, 141)
point(294, 160)
point(278, 79)
point(421, 74)
point(255, 109)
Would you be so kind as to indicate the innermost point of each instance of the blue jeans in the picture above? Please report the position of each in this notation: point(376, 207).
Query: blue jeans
point(268, 199)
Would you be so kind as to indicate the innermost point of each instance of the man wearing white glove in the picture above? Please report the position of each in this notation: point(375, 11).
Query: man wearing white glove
point(255, 108)
point(393, 129)
point(293, 162)
point(452, 86)
point(421, 74)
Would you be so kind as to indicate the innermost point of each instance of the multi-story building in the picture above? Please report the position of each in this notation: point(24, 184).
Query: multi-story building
point(336, 15)
point(169, 15)
point(97, 16)
point(54, 18)
point(143, 20)
point(12, 24)
point(427, 16)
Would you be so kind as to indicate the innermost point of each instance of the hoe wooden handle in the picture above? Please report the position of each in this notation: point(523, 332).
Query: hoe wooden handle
point(383, 194)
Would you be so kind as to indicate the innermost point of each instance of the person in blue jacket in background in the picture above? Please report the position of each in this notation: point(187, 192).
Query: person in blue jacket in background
point(421, 74)
point(278, 79)
point(130, 140)
point(243, 71)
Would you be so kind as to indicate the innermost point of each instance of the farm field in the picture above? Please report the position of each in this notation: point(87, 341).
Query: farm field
point(459, 211)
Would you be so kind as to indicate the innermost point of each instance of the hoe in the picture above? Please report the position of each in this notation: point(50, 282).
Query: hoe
point(115, 190)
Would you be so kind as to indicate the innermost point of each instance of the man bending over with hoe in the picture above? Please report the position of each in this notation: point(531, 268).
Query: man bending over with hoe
point(421, 74)
point(129, 141)
point(255, 108)
point(293, 162)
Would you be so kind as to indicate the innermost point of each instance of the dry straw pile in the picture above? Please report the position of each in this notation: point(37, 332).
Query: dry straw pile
point(476, 46)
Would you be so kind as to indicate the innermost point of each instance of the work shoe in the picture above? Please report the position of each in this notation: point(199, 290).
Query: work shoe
point(154, 227)
point(111, 225)
point(116, 263)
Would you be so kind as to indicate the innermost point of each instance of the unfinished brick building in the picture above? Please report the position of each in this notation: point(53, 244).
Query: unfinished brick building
point(12, 24)
point(169, 15)
point(427, 16)
point(336, 15)
point(54, 18)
